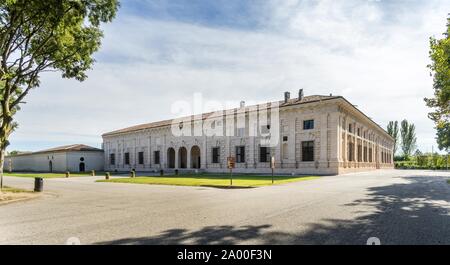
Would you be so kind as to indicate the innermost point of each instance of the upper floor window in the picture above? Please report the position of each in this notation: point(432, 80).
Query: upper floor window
point(264, 154)
point(350, 128)
point(240, 132)
point(285, 138)
point(308, 124)
point(141, 158)
point(240, 154)
point(127, 158)
point(216, 154)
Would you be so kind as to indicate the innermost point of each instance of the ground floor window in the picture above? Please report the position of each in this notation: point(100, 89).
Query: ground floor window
point(240, 154)
point(351, 152)
point(112, 159)
point(127, 159)
point(141, 158)
point(370, 155)
point(157, 158)
point(264, 154)
point(308, 151)
point(365, 153)
point(359, 153)
point(215, 154)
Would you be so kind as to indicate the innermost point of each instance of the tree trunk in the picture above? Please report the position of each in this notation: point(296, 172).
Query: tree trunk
point(2, 160)
point(5, 131)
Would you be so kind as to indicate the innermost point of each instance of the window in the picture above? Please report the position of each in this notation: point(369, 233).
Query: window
point(240, 154)
point(308, 151)
point(370, 155)
point(285, 138)
point(308, 124)
point(141, 158)
point(351, 153)
point(350, 128)
point(264, 154)
point(112, 159)
point(127, 158)
point(365, 153)
point(359, 153)
point(359, 132)
point(156, 157)
point(215, 154)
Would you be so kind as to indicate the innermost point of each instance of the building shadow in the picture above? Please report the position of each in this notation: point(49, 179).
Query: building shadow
point(414, 212)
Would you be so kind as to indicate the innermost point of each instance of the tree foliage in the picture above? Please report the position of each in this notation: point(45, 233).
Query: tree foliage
point(39, 36)
point(408, 137)
point(392, 130)
point(440, 103)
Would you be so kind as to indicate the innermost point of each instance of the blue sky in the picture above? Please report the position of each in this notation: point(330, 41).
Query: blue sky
point(374, 53)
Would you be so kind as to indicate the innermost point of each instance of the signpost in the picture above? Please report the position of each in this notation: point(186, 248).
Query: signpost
point(230, 165)
point(272, 165)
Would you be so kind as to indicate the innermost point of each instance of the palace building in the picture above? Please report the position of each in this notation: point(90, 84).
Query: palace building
point(316, 134)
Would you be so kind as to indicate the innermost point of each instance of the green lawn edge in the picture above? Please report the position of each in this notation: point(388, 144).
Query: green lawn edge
point(242, 181)
point(50, 175)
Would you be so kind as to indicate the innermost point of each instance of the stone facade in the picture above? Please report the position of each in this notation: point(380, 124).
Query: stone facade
point(322, 135)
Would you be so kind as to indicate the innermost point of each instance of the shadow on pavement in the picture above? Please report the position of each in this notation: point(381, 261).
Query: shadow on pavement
point(415, 212)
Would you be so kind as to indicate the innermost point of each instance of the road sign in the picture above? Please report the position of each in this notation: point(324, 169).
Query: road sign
point(231, 162)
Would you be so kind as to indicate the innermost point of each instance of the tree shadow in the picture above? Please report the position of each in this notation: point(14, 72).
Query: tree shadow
point(414, 212)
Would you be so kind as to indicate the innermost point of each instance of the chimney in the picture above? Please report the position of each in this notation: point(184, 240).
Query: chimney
point(242, 104)
point(300, 94)
point(287, 95)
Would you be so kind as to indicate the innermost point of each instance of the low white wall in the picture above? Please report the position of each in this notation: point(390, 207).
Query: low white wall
point(61, 161)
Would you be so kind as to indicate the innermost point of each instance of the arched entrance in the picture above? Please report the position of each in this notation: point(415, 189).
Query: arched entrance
point(50, 166)
point(182, 157)
point(82, 167)
point(195, 157)
point(171, 157)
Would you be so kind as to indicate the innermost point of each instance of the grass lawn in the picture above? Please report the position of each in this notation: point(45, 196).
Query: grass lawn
point(50, 175)
point(15, 190)
point(212, 180)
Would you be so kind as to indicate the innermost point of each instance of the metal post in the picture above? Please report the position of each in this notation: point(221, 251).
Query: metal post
point(272, 175)
point(231, 176)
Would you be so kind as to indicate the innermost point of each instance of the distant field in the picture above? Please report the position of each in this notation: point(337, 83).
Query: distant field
point(49, 175)
point(213, 180)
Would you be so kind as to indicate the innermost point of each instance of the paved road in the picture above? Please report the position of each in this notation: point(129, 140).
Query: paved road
point(399, 207)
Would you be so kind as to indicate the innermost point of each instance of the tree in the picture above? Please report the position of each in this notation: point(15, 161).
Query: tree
point(440, 69)
point(408, 137)
point(392, 130)
point(40, 36)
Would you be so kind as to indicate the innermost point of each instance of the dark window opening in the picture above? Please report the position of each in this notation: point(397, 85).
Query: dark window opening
point(127, 159)
point(216, 154)
point(308, 125)
point(157, 159)
point(112, 159)
point(141, 158)
point(308, 151)
point(285, 138)
point(264, 154)
point(240, 154)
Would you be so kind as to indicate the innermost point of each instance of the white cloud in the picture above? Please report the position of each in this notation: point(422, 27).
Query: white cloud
point(345, 48)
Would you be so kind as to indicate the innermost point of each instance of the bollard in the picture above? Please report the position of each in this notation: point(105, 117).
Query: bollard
point(133, 173)
point(67, 174)
point(106, 175)
point(93, 173)
point(176, 172)
point(161, 172)
point(38, 184)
